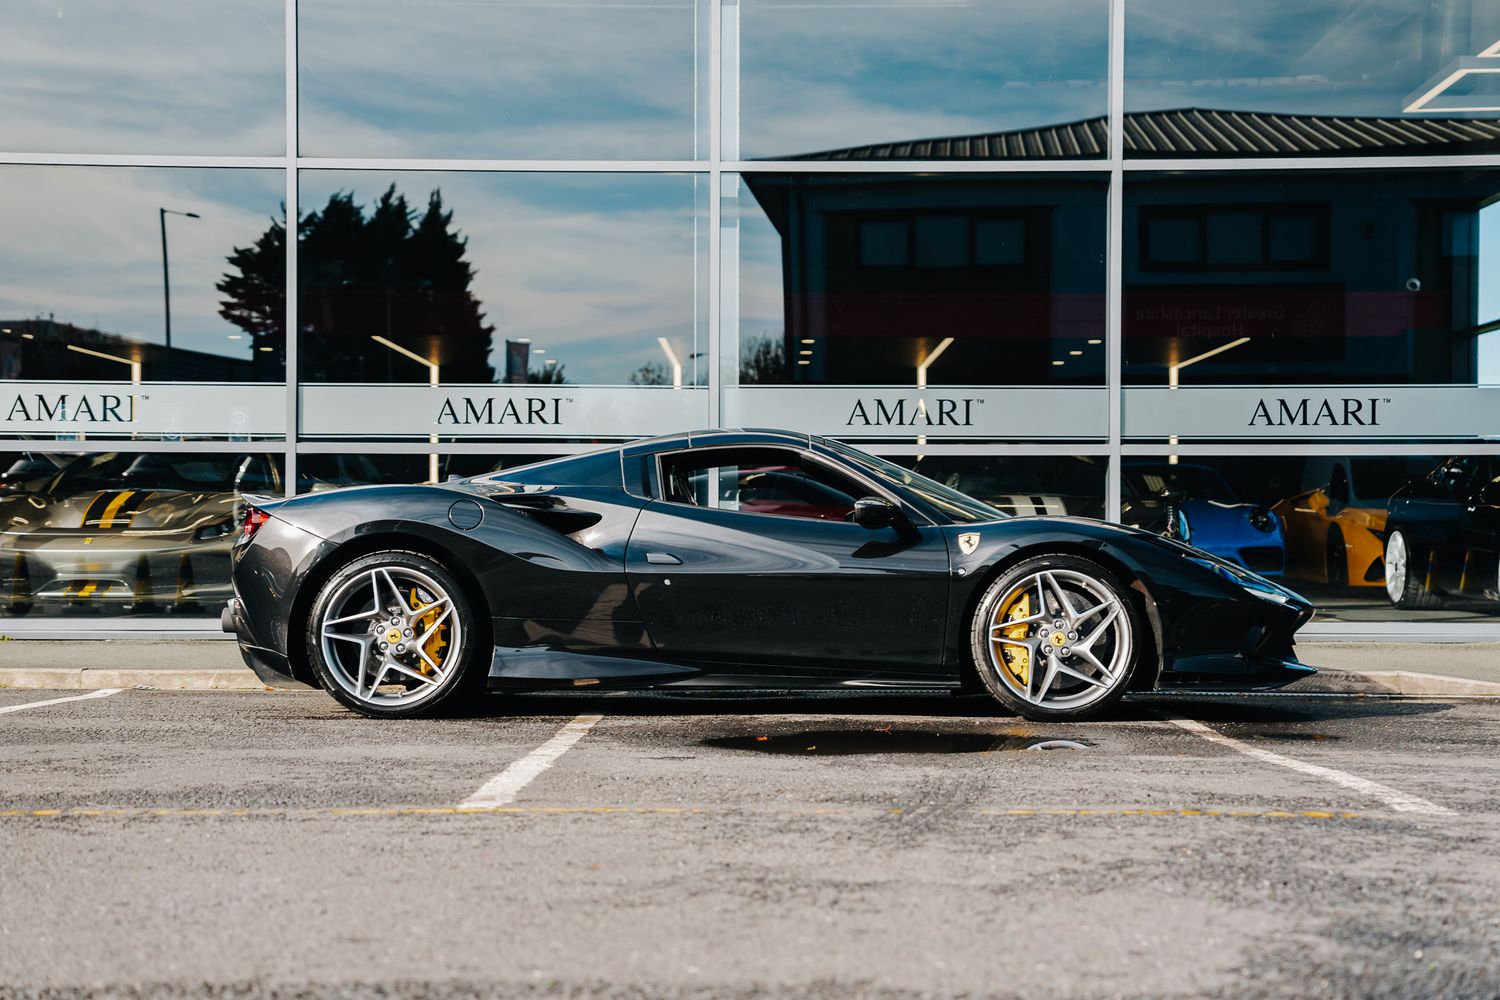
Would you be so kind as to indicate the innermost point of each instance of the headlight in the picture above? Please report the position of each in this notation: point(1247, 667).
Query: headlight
point(1251, 583)
point(1262, 520)
point(218, 529)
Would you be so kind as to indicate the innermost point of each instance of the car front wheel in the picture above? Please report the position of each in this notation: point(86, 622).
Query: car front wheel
point(1403, 583)
point(1054, 638)
point(391, 635)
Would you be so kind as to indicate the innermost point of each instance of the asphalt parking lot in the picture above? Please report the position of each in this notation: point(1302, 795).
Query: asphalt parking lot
point(235, 843)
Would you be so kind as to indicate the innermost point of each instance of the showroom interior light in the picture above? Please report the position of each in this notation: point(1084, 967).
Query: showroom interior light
point(1428, 98)
point(433, 371)
point(135, 366)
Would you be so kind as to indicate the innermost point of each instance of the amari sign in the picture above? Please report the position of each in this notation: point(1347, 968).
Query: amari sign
point(152, 410)
point(396, 411)
point(1291, 412)
point(935, 413)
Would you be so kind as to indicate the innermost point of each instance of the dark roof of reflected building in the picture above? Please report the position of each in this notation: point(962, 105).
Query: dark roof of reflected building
point(1197, 132)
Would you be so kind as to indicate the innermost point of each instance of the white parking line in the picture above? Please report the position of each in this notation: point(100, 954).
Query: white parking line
point(101, 693)
point(503, 788)
point(1397, 800)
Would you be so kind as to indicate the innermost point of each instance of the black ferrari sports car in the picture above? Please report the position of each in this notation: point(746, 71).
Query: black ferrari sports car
point(760, 559)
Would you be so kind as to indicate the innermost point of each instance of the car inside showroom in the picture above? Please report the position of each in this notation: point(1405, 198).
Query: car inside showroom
point(1231, 272)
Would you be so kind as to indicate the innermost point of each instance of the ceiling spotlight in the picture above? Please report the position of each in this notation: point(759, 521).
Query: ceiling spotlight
point(1076, 354)
point(1096, 341)
point(1056, 364)
point(808, 340)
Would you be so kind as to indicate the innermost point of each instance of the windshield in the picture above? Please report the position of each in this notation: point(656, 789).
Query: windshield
point(1374, 480)
point(193, 473)
point(949, 502)
point(1195, 481)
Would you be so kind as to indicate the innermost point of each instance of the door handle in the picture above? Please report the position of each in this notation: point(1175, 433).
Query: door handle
point(662, 559)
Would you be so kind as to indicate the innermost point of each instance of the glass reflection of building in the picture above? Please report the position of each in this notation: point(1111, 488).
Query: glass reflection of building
point(742, 205)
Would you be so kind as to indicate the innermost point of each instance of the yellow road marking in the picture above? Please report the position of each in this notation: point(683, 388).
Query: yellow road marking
point(623, 810)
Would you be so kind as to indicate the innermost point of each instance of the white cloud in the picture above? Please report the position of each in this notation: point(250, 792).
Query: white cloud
point(136, 76)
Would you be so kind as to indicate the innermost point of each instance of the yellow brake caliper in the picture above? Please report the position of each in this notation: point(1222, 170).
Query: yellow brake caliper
point(433, 646)
point(1017, 658)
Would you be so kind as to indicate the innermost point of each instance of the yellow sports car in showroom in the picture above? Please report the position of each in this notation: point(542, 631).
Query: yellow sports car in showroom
point(1335, 528)
point(130, 531)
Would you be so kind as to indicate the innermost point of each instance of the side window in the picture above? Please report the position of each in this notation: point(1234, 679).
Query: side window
point(773, 481)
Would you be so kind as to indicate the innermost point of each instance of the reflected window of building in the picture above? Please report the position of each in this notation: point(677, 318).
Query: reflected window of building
point(504, 80)
point(851, 279)
point(158, 528)
point(464, 278)
point(1308, 278)
point(142, 275)
point(915, 81)
point(1319, 78)
point(137, 76)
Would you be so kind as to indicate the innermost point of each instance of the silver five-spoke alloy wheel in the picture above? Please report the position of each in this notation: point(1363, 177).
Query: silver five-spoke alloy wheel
point(389, 636)
point(1058, 639)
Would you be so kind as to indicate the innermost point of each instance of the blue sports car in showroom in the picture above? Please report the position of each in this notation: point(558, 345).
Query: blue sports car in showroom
point(1246, 534)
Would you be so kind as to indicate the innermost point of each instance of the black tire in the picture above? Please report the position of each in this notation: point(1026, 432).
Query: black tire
point(1125, 647)
point(1336, 559)
point(464, 674)
point(1405, 585)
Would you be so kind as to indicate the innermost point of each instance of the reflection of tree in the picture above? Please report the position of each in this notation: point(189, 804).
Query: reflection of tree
point(547, 375)
point(392, 272)
point(651, 373)
point(762, 360)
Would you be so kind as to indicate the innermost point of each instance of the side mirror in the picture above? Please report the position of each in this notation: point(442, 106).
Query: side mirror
point(873, 512)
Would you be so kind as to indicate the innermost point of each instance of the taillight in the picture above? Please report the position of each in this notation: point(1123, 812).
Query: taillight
point(254, 518)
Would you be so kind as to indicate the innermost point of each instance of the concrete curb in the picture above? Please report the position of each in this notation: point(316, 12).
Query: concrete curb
point(89, 678)
point(1402, 682)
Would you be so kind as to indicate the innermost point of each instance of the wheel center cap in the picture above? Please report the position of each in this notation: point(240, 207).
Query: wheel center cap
point(1058, 639)
point(393, 635)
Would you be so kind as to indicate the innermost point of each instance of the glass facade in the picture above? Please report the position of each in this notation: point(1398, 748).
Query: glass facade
point(1233, 270)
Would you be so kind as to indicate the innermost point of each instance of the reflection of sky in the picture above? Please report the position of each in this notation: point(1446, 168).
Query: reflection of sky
point(825, 75)
point(84, 244)
point(592, 267)
point(115, 76)
point(500, 78)
point(1343, 57)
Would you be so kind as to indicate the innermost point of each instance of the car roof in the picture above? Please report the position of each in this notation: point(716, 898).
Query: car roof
point(711, 436)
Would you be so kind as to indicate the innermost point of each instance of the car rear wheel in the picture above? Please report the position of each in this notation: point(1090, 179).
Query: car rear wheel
point(1054, 638)
point(391, 636)
point(1336, 557)
point(1404, 584)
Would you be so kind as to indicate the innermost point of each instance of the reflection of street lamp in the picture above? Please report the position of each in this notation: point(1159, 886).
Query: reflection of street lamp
point(166, 288)
point(1176, 366)
point(432, 381)
point(922, 367)
point(926, 362)
point(135, 366)
point(666, 348)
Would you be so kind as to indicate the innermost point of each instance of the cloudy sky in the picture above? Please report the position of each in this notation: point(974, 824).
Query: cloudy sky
point(143, 76)
point(84, 243)
point(1344, 57)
